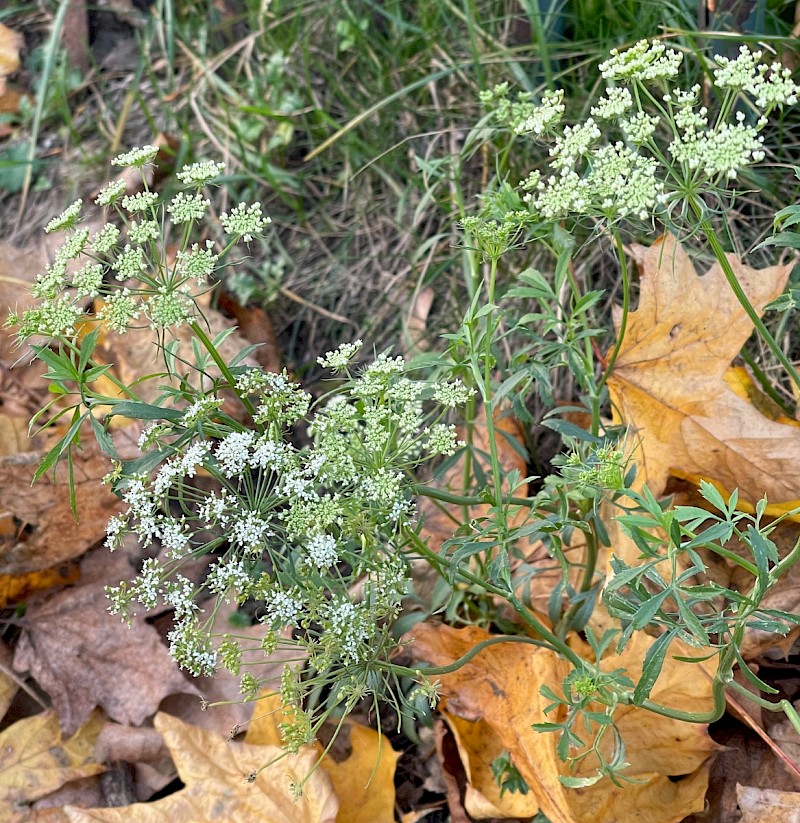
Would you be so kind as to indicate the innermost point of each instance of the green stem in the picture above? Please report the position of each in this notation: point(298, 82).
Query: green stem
point(222, 365)
point(587, 580)
point(467, 500)
point(626, 303)
point(551, 640)
point(736, 288)
point(432, 671)
point(779, 706)
point(497, 469)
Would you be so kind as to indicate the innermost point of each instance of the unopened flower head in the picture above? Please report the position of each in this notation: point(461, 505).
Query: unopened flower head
point(110, 193)
point(616, 102)
point(184, 208)
point(119, 311)
point(339, 359)
point(67, 218)
point(143, 232)
point(736, 73)
point(574, 142)
point(88, 280)
point(169, 308)
point(105, 240)
point(773, 88)
point(140, 202)
point(198, 263)
point(544, 116)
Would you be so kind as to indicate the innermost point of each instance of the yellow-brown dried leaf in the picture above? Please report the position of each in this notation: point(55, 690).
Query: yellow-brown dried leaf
point(35, 761)
point(501, 687)
point(363, 781)
point(669, 382)
point(214, 771)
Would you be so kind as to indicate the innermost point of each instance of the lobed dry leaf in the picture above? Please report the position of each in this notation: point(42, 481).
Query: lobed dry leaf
point(478, 746)
point(84, 657)
point(215, 773)
point(669, 382)
point(501, 688)
point(35, 761)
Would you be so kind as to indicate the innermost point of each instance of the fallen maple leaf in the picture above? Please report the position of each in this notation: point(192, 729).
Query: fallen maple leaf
point(215, 771)
point(669, 386)
point(34, 761)
point(501, 687)
point(84, 657)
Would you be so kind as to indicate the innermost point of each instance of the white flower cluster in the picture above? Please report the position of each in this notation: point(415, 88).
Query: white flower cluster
point(635, 177)
point(339, 359)
point(647, 62)
point(148, 282)
point(544, 116)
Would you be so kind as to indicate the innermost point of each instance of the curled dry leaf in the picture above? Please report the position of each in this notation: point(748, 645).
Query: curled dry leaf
point(84, 657)
point(8, 686)
point(215, 773)
point(501, 688)
point(35, 761)
point(478, 746)
point(669, 382)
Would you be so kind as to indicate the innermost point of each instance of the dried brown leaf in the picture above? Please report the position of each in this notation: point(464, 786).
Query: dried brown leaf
point(669, 385)
point(768, 806)
point(10, 44)
point(363, 781)
point(42, 511)
point(35, 761)
point(84, 657)
point(501, 687)
point(214, 771)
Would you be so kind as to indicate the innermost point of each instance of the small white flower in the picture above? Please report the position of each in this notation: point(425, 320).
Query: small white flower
point(321, 551)
point(198, 174)
point(244, 221)
point(104, 241)
point(616, 102)
point(233, 452)
point(339, 359)
point(111, 193)
point(544, 116)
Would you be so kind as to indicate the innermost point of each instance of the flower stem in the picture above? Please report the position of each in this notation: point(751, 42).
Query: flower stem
point(222, 365)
